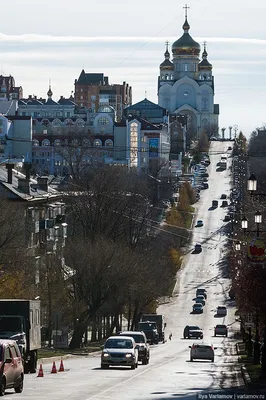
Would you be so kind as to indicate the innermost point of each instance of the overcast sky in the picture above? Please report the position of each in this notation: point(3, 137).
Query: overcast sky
point(125, 40)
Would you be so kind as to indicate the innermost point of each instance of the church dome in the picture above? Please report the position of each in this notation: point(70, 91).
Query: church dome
point(204, 64)
point(185, 45)
point(167, 64)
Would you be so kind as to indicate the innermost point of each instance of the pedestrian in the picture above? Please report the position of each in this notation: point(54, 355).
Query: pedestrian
point(170, 336)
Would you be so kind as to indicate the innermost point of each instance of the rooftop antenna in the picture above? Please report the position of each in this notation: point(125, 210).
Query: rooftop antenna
point(145, 94)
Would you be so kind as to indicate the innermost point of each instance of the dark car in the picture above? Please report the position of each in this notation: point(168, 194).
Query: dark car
point(227, 218)
point(197, 248)
point(223, 196)
point(205, 185)
point(221, 330)
point(224, 203)
point(193, 331)
point(202, 291)
point(141, 344)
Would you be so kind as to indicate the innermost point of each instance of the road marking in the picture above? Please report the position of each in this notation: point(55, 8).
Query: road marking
point(95, 396)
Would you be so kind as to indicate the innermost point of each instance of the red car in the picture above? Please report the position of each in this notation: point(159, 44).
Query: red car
point(11, 366)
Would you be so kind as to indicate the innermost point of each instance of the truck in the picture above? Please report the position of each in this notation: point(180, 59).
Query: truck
point(150, 330)
point(159, 320)
point(20, 321)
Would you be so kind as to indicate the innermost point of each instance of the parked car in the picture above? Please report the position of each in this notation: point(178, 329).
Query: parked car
point(141, 344)
point(202, 351)
point(221, 330)
point(198, 248)
point(223, 196)
point(227, 218)
point(214, 203)
point(120, 350)
point(229, 148)
point(193, 331)
point(224, 203)
point(199, 223)
point(200, 299)
point(221, 310)
point(205, 185)
point(202, 291)
point(197, 308)
point(11, 365)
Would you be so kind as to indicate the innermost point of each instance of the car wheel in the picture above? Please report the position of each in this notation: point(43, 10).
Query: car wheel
point(2, 387)
point(19, 388)
point(212, 360)
point(145, 361)
point(137, 364)
point(104, 366)
point(215, 334)
point(226, 335)
point(133, 366)
point(191, 359)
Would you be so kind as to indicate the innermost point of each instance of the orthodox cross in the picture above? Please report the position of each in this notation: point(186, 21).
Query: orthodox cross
point(186, 8)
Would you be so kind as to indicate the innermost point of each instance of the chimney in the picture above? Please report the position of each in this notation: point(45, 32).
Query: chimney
point(24, 185)
point(27, 167)
point(43, 183)
point(9, 168)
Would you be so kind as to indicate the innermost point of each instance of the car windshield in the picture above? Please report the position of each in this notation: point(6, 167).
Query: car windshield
point(221, 326)
point(197, 305)
point(118, 344)
point(1, 353)
point(193, 328)
point(137, 338)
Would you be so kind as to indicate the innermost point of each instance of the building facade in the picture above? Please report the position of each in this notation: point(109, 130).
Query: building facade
point(8, 89)
point(186, 85)
point(92, 90)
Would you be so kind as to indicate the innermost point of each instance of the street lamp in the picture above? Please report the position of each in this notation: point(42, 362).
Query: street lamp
point(252, 183)
point(258, 221)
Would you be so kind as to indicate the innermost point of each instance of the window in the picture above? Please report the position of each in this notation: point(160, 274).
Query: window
point(44, 131)
point(45, 142)
point(81, 104)
point(81, 97)
point(97, 142)
point(35, 142)
point(109, 143)
point(185, 67)
point(103, 121)
point(81, 90)
point(57, 142)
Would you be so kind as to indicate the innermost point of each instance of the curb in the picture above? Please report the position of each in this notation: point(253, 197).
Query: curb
point(245, 376)
point(46, 360)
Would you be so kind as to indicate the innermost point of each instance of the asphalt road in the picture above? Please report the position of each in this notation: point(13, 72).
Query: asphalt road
point(170, 374)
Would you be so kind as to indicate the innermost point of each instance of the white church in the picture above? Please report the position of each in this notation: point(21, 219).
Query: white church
point(186, 85)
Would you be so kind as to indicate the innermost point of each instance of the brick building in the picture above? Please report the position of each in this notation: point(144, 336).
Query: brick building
point(8, 89)
point(92, 90)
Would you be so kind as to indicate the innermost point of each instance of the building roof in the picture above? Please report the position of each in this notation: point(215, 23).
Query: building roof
point(144, 105)
point(90, 78)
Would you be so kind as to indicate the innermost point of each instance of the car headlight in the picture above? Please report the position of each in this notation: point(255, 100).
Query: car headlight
point(105, 354)
point(129, 355)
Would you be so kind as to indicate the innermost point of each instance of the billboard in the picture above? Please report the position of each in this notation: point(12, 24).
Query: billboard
point(256, 250)
point(153, 148)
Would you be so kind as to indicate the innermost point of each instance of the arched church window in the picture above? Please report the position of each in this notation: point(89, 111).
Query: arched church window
point(204, 103)
point(185, 67)
point(166, 77)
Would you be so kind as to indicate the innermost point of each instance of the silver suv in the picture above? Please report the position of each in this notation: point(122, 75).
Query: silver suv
point(141, 344)
point(120, 350)
point(202, 351)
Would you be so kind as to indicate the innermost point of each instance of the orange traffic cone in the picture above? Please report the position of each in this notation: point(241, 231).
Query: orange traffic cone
point(54, 371)
point(40, 373)
point(61, 368)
